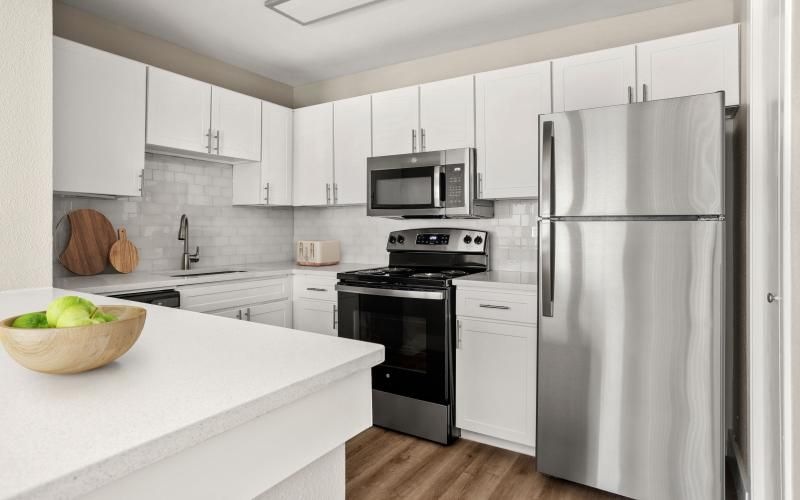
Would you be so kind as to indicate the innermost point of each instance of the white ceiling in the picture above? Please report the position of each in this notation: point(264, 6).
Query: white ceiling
point(247, 34)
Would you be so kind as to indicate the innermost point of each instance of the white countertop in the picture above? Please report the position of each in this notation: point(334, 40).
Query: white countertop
point(189, 377)
point(123, 283)
point(508, 280)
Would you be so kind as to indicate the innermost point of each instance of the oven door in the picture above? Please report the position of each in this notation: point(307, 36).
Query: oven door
point(406, 185)
point(413, 326)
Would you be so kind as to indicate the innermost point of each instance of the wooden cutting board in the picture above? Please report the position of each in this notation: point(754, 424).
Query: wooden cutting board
point(90, 239)
point(124, 256)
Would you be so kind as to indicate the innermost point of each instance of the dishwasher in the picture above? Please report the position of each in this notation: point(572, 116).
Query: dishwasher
point(166, 298)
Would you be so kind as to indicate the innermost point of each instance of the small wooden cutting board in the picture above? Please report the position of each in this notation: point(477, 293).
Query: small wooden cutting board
point(123, 255)
point(90, 239)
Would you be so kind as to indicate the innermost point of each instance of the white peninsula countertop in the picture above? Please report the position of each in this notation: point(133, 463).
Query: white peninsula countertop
point(190, 379)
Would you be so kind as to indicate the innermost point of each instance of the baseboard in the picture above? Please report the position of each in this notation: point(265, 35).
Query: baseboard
point(498, 443)
point(741, 480)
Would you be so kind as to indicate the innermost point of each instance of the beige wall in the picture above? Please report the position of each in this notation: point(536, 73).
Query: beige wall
point(606, 33)
point(26, 142)
point(82, 27)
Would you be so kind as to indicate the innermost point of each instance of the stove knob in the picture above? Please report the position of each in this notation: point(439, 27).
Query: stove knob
point(392, 240)
point(467, 239)
point(478, 240)
point(401, 239)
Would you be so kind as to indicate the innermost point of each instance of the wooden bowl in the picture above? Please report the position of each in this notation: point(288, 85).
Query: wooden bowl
point(77, 349)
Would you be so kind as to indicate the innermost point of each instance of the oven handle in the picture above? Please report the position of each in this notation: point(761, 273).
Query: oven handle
point(404, 294)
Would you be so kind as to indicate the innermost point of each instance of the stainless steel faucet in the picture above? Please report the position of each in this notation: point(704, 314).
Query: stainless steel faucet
point(183, 234)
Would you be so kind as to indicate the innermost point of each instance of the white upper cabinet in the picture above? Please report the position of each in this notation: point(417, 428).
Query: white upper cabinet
point(447, 114)
point(236, 124)
point(178, 112)
point(602, 78)
point(694, 63)
point(313, 155)
point(98, 121)
point(395, 121)
point(270, 181)
point(508, 104)
point(352, 145)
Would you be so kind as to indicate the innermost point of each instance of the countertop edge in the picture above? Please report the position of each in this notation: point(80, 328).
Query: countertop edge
point(106, 471)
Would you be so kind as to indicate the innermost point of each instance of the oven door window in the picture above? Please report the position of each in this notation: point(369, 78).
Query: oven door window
point(406, 188)
point(414, 334)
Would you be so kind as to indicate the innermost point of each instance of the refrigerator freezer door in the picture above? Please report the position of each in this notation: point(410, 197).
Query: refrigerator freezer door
point(630, 362)
point(657, 158)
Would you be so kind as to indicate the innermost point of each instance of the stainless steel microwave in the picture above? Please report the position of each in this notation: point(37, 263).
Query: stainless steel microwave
point(431, 184)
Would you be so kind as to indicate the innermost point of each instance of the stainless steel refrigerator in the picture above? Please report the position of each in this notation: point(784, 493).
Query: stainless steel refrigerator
point(632, 298)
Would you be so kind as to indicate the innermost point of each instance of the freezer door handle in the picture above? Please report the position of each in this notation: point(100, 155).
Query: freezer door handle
point(547, 265)
point(546, 170)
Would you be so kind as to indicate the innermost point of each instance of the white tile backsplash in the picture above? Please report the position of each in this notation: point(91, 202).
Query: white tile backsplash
point(512, 232)
point(227, 235)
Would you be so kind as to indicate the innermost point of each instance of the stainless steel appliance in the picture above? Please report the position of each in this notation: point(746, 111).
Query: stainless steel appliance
point(438, 184)
point(409, 307)
point(632, 278)
point(166, 298)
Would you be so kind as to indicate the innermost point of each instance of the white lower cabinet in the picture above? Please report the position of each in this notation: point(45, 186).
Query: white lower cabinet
point(318, 316)
point(260, 301)
point(272, 313)
point(496, 377)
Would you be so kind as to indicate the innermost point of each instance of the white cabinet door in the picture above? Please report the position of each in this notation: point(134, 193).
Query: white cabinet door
point(694, 63)
point(496, 379)
point(602, 78)
point(276, 153)
point(352, 145)
point(231, 312)
point(270, 181)
point(98, 121)
point(236, 125)
point(273, 313)
point(395, 121)
point(508, 104)
point(178, 112)
point(447, 114)
point(313, 155)
point(318, 316)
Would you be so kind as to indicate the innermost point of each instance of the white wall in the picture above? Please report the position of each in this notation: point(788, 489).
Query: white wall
point(26, 143)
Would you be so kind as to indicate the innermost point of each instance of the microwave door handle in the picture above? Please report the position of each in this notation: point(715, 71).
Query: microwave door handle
point(439, 189)
point(546, 170)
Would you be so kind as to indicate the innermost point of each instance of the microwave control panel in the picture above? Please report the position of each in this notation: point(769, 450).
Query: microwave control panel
point(455, 176)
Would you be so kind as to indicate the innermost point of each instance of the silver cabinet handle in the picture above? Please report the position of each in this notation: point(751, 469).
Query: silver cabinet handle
point(335, 316)
point(335, 193)
point(458, 334)
point(644, 92)
point(548, 237)
point(208, 140)
point(327, 194)
point(247, 314)
point(480, 185)
point(266, 196)
point(546, 196)
point(422, 139)
point(314, 289)
point(413, 140)
point(492, 306)
point(771, 297)
point(141, 181)
point(216, 137)
point(239, 314)
point(630, 94)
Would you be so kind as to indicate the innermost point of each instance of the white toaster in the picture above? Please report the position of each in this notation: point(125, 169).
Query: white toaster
point(317, 252)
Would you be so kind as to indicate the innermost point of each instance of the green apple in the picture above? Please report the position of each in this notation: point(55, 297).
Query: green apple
point(76, 315)
point(31, 320)
point(61, 304)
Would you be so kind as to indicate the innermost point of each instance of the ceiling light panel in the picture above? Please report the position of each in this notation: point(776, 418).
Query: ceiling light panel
point(310, 11)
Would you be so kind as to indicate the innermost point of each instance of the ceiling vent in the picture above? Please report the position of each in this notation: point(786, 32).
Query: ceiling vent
point(306, 12)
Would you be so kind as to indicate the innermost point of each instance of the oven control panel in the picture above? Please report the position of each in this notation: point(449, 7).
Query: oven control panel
point(438, 240)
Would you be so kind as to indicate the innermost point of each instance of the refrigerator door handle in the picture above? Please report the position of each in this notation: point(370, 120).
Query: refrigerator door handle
point(546, 197)
point(547, 266)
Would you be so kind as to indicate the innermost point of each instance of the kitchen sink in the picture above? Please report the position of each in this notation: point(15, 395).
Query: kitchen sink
point(193, 274)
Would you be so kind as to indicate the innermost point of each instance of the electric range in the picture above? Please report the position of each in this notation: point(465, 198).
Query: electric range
point(409, 308)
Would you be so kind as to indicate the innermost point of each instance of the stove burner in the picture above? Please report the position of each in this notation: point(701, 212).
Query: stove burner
point(454, 272)
point(428, 275)
point(385, 271)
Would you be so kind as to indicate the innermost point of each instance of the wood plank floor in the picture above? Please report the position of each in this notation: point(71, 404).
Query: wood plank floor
point(386, 465)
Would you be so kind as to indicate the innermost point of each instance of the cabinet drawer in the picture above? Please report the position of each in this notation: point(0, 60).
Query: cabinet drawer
point(213, 297)
point(496, 304)
point(315, 287)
